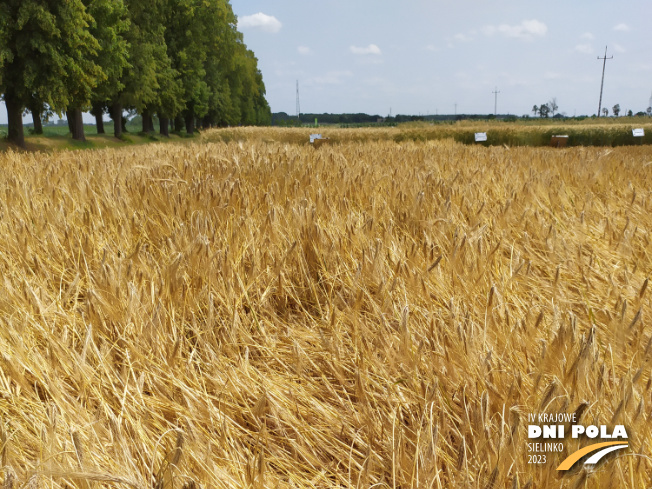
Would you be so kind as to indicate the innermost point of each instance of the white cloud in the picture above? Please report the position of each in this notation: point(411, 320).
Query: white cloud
point(584, 48)
point(432, 47)
point(619, 49)
point(375, 80)
point(527, 29)
point(588, 36)
point(642, 67)
point(621, 27)
point(267, 23)
point(371, 49)
point(330, 78)
point(305, 50)
point(462, 37)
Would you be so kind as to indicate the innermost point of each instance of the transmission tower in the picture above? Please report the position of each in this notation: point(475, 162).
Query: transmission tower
point(298, 106)
point(604, 64)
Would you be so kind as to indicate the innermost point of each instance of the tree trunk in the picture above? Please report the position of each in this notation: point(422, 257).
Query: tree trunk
point(124, 124)
point(71, 121)
point(116, 115)
point(148, 122)
point(99, 123)
point(16, 133)
point(77, 124)
point(178, 123)
point(164, 124)
point(36, 117)
point(98, 112)
point(190, 124)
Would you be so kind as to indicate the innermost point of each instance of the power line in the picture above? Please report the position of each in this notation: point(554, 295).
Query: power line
point(604, 64)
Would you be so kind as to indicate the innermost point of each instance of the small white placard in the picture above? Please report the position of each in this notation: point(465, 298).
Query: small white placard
point(480, 136)
point(638, 133)
point(314, 136)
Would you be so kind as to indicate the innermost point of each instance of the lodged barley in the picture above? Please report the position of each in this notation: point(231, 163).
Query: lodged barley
point(375, 312)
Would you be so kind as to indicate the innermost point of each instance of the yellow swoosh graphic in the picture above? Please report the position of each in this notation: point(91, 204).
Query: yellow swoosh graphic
point(574, 457)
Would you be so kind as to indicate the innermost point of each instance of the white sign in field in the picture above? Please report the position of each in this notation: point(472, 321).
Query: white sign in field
point(314, 136)
point(480, 136)
point(638, 133)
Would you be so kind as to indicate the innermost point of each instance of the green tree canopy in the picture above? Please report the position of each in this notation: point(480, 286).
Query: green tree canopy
point(187, 33)
point(170, 57)
point(110, 26)
point(48, 54)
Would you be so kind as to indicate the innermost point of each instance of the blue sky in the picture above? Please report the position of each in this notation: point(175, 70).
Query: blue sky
point(424, 57)
point(420, 56)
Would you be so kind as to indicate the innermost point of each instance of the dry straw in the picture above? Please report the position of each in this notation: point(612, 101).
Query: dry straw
point(368, 314)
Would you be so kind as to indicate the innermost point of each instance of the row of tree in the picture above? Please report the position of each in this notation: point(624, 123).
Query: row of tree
point(183, 60)
point(284, 119)
point(546, 109)
point(549, 109)
point(615, 110)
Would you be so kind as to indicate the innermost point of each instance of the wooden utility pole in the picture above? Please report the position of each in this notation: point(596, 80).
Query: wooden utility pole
point(604, 64)
point(496, 92)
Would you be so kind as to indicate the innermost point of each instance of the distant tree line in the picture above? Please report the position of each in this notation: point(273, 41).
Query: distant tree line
point(616, 112)
point(549, 109)
point(546, 109)
point(181, 60)
point(284, 119)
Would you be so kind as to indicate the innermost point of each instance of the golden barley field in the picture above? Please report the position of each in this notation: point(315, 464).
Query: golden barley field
point(262, 314)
